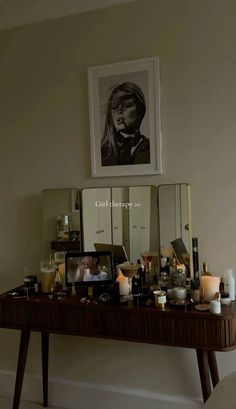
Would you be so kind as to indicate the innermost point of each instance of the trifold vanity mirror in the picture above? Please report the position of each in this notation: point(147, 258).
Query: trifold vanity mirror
point(141, 218)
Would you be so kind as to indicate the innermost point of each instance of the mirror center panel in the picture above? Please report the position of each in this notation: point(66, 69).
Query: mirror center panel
point(124, 216)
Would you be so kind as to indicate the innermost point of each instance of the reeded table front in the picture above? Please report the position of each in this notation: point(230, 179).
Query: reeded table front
point(174, 326)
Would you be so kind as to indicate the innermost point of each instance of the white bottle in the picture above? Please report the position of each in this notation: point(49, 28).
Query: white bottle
point(231, 283)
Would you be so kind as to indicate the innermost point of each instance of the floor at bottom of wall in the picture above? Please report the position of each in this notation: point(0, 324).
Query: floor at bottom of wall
point(6, 403)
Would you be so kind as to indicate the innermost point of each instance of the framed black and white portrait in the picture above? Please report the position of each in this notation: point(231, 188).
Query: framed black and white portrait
point(125, 124)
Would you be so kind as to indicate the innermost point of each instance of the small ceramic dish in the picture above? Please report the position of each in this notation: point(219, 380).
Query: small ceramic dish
point(179, 303)
point(202, 307)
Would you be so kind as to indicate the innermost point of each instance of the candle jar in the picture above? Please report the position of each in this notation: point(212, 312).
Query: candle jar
point(180, 293)
point(215, 307)
point(160, 298)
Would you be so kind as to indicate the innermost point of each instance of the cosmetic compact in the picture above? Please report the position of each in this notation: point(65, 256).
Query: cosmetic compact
point(30, 280)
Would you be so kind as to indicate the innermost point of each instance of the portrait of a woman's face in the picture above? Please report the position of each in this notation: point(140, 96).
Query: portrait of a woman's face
point(124, 114)
point(122, 142)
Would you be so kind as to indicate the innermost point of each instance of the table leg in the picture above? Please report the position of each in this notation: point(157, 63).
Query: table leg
point(213, 367)
point(203, 366)
point(24, 343)
point(44, 345)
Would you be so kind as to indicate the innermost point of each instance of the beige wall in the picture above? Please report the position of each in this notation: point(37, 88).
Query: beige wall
point(44, 131)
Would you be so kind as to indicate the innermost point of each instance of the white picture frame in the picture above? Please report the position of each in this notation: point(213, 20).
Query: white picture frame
point(144, 73)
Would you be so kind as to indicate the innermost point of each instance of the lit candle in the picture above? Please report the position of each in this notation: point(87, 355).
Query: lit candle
point(167, 252)
point(123, 284)
point(210, 286)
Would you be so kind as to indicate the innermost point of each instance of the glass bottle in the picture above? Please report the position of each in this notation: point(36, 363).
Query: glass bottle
point(172, 266)
point(137, 279)
point(195, 257)
point(178, 278)
point(164, 281)
point(222, 284)
point(77, 202)
point(141, 273)
point(63, 228)
point(147, 258)
point(205, 271)
point(73, 290)
point(58, 287)
point(195, 291)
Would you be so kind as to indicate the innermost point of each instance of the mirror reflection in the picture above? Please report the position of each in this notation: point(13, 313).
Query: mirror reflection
point(61, 226)
point(174, 205)
point(121, 215)
point(140, 218)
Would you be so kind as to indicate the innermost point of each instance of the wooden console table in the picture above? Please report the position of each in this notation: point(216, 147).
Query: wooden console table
point(188, 328)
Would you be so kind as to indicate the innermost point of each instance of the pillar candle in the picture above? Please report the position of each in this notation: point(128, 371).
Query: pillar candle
point(210, 286)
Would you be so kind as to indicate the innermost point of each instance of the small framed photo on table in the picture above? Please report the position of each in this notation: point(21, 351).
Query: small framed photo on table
point(125, 123)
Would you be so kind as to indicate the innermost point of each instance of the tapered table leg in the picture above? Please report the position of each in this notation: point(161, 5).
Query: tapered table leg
point(203, 366)
point(44, 345)
point(24, 343)
point(213, 367)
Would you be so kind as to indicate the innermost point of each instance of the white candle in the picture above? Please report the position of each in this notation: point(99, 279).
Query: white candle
point(215, 307)
point(123, 284)
point(180, 293)
point(210, 286)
